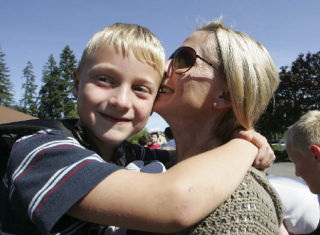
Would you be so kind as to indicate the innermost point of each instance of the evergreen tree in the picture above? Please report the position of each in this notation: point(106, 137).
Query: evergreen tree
point(298, 92)
point(6, 88)
point(51, 91)
point(135, 138)
point(28, 102)
point(66, 67)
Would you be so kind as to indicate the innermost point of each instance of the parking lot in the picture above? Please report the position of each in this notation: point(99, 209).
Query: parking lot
point(283, 169)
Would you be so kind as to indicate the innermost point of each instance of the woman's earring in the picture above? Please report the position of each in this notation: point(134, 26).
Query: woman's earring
point(214, 104)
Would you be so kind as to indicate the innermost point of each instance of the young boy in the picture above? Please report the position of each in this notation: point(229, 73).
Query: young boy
point(303, 147)
point(115, 85)
point(54, 182)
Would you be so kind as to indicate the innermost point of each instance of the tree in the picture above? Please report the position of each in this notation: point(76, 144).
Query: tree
point(51, 91)
point(134, 139)
point(6, 88)
point(28, 102)
point(66, 67)
point(298, 92)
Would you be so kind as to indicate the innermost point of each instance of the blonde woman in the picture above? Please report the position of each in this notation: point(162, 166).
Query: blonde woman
point(219, 80)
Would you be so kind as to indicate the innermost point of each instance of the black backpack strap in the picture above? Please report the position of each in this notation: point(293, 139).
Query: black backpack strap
point(10, 132)
point(30, 126)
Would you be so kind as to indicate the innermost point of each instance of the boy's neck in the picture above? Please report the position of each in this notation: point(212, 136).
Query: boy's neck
point(105, 150)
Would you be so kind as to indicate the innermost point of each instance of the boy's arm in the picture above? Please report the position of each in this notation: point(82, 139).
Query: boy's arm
point(170, 201)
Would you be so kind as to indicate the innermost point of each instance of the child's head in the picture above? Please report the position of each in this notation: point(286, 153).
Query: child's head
point(128, 38)
point(303, 146)
point(168, 133)
point(117, 81)
point(154, 137)
point(143, 141)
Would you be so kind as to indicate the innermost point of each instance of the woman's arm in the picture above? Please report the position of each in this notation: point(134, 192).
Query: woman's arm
point(170, 201)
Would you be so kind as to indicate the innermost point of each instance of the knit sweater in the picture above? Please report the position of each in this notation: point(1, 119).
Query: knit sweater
point(254, 208)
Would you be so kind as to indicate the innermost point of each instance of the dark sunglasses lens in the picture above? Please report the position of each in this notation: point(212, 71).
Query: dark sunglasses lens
point(183, 59)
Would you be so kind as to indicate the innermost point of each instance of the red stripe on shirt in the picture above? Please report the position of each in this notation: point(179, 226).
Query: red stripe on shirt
point(57, 186)
point(38, 156)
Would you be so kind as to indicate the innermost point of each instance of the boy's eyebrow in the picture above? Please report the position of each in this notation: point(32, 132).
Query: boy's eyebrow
point(104, 66)
point(117, 71)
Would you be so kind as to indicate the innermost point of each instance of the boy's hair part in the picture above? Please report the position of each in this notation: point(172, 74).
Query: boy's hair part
point(305, 132)
point(127, 38)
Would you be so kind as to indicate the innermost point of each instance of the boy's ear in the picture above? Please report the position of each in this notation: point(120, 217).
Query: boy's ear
point(222, 100)
point(75, 88)
point(316, 152)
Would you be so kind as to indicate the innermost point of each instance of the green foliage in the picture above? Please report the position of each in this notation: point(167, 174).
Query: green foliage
point(28, 102)
point(6, 88)
point(281, 156)
point(66, 67)
point(298, 92)
point(51, 92)
point(134, 139)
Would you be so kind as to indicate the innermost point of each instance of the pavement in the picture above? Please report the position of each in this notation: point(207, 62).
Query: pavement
point(283, 169)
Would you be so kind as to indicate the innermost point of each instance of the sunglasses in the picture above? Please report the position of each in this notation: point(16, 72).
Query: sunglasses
point(184, 58)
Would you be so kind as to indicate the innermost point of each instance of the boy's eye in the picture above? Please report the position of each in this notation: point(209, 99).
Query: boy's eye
point(105, 79)
point(141, 89)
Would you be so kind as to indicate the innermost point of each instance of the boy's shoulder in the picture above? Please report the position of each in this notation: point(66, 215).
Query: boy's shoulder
point(10, 132)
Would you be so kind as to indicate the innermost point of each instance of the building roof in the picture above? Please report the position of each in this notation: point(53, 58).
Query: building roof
point(10, 115)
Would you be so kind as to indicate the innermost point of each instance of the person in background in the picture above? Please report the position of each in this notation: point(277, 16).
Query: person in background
point(171, 144)
point(143, 141)
point(154, 141)
point(302, 140)
point(301, 207)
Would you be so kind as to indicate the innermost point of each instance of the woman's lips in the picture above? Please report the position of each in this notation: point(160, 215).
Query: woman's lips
point(165, 90)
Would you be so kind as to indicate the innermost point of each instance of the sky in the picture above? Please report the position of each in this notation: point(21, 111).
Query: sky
point(32, 30)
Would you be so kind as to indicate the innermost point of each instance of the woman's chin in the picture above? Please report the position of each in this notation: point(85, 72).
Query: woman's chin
point(157, 108)
point(160, 104)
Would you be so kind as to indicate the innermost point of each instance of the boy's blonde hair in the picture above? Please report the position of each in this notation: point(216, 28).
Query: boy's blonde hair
point(127, 38)
point(248, 70)
point(305, 132)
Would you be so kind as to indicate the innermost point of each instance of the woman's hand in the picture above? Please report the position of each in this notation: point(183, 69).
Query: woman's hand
point(265, 156)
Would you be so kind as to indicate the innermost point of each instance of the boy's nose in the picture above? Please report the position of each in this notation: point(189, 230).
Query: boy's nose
point(120, 98)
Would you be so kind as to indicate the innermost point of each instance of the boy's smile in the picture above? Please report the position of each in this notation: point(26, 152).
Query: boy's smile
point(115, 119)
point(115, 95)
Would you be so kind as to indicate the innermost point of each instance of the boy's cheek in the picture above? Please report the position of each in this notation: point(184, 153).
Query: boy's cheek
point(144, 110)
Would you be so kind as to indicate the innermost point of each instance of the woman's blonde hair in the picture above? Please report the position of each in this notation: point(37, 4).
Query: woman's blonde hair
point(249, 73)
point(305, 132)
point(126, 38)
